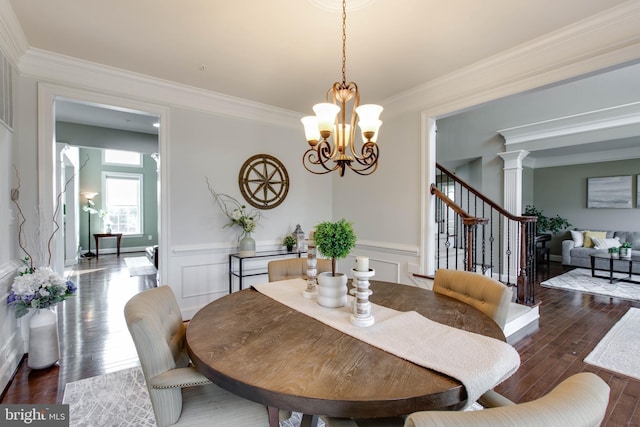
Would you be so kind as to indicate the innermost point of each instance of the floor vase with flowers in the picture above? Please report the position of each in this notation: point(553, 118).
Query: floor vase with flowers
point(44, 350)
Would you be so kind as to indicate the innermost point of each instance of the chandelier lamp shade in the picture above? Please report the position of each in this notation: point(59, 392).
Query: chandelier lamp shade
point(331, 134)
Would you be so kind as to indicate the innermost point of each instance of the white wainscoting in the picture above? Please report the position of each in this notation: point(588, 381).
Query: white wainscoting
point(11, 342)
point(199, 274)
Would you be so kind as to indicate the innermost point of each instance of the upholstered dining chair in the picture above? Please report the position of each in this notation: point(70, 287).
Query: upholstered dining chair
point(481, 292)
point(180, 395)
point(579, 401)
point(293, 268)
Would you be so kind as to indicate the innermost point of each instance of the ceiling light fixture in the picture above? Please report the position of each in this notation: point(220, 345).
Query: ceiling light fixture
point(326, 122)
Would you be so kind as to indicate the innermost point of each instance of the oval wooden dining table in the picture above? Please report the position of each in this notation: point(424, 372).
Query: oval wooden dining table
point(266, 352)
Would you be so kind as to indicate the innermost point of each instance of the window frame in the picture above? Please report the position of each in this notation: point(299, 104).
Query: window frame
point(140, 163)
point(139, 178)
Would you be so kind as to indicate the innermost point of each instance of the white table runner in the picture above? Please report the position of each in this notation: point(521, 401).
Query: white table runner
point(480, 363)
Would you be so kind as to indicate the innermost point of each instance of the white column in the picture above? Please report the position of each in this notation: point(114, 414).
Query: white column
point(512, 202)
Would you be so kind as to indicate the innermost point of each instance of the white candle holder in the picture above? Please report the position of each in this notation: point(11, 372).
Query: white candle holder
point(312, 282)
point(361, 309)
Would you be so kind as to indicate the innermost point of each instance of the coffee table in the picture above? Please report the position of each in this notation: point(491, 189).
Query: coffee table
point(611, 258)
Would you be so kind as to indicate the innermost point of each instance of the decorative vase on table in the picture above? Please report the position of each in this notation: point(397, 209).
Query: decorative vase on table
point(43, 339)
point(332, 290)
point(247, 245)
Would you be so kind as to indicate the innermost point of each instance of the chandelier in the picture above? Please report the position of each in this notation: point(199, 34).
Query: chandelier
point(323, 156)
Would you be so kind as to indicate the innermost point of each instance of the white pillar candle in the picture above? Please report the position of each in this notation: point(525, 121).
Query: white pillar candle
point(362, 263)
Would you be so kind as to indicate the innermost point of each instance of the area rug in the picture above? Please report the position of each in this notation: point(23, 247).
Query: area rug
point(120, 399)
point(115, 399)
point(619, 350)
point(139, 266)
point(580, 280)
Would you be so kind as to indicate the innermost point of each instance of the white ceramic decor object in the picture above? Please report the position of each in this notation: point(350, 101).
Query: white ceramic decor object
point(332, 290)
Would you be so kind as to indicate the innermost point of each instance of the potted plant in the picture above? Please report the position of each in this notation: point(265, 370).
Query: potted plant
point(289, 242)
point(547, 224)
point(625, 250)
point(333, 240)
point(613, 252)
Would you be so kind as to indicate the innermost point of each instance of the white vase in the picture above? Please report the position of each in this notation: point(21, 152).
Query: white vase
point(43, 339)
point(247, 245)
point(332, 290)
point(625, 252)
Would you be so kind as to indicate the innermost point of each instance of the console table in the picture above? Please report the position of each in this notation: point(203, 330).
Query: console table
point(238, 269)
point(97, 236)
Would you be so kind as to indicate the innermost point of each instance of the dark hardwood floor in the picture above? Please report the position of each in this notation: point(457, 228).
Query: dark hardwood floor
point(94, 340)
point(93, 335)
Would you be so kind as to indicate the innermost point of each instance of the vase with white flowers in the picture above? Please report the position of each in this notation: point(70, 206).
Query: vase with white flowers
point(239, 216)
point(40, 289)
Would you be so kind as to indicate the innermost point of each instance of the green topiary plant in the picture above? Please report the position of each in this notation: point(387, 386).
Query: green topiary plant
point(335, 240)
point(289, 242)
point(544, 224)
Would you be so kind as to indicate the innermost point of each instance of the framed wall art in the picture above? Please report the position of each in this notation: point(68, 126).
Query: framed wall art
point(609, 192)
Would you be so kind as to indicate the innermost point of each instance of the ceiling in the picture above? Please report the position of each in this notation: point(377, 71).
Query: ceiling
point(289, 51)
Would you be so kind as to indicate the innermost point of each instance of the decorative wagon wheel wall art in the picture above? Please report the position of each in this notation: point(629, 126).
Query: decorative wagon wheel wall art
point(264, 181)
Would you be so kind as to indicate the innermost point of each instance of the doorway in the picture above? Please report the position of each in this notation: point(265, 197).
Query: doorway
point(51, 107)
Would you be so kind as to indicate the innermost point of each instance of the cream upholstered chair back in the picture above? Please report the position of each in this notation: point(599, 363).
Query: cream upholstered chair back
point(293, 268)
point(481, 292)
point(155, 323)
point(579, 401)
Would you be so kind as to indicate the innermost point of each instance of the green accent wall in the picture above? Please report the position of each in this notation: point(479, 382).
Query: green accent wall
point(91, 181)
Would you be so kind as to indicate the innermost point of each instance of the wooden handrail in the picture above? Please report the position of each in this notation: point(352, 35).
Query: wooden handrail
point(466, 218)
point(524, 218)
point(517, 243)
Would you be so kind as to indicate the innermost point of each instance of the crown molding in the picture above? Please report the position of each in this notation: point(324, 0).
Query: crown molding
point(617, 122)
point(583, 158)
point(64, 70)
point(12, 39)
point(604, 40)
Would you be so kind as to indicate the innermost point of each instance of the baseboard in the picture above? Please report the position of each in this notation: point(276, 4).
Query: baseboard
point(9, 370)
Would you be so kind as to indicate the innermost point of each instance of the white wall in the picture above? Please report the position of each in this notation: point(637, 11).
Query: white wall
point(205, 145)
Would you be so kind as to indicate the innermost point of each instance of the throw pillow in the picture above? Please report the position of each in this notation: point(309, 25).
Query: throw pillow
point(600, 243)
point(588, 235)
point(578, 238)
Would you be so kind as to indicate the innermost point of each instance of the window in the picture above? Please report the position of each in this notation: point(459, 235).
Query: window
point(123, 202)
point(122, 158)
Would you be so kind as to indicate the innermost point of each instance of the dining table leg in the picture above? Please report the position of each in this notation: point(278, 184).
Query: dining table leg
point(274, 416)
point(309, 421)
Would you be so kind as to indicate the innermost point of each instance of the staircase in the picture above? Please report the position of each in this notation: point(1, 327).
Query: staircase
point(475, 234)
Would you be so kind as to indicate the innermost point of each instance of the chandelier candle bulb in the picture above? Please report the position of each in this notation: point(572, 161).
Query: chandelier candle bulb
point(362, 263)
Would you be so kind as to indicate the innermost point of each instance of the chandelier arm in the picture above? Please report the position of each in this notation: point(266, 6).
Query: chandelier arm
point(318, 156)
point(370, 154)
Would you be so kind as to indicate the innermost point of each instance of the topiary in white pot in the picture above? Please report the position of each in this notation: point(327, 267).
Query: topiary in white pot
point(334, 240)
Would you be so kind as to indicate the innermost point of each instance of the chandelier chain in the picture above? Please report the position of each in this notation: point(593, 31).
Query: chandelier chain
point(344, 42)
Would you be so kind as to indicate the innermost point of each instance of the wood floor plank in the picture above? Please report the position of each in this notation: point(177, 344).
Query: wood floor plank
point(94, 340)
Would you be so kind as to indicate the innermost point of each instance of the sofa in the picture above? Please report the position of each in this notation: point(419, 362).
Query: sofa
point(582, 243)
